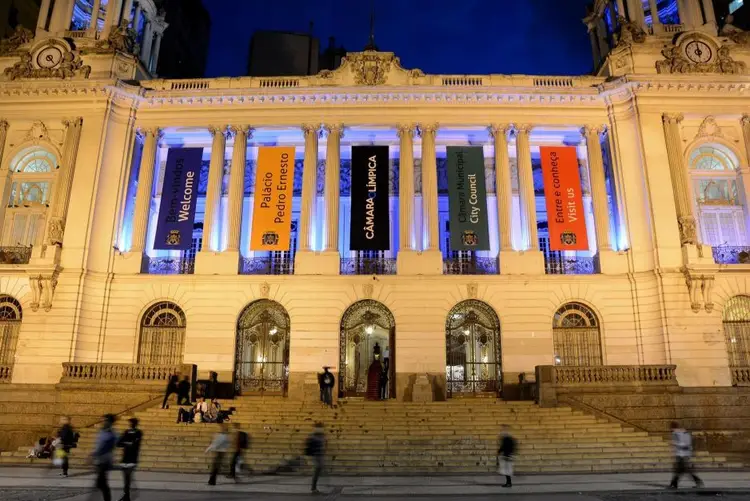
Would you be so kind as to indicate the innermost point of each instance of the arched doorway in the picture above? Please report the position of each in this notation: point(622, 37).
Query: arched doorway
point(736, 325)
point(364, 325)
point(162, 339)
point(576, 337)
point(10, 326)
point(262, 350)
point(473, 357)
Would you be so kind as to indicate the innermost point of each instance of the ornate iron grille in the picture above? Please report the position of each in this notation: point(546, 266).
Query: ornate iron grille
point(365, 323)
point(557, 263)
point(171, 265)
point(276, 263)
point(473, 358)
point(726, 254)
point(10, 326)
point(15, 255)
point(368, 263)
point(470, 265)
point(737, 331)
point(576, 337)
point(162, 340)
point(262, 354)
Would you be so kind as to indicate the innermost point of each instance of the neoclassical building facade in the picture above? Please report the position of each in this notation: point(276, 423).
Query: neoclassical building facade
point(660, 142)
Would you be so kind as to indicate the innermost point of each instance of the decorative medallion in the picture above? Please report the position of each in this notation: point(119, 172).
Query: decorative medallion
point(471, 290)
point(370, 67)
point(367, 290)
point(709, 127)
point(265, 290)
point(51, 58)
point(37, 131)
point(695, 52)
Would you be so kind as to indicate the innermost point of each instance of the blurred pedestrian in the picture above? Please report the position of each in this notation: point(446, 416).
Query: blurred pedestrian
point(241, 443)
point(171, 388)
point(315, 448)
point(682, 443)
point(106, 441)
point(130, 441)
point(66, 439)
point(505, 453)
point(183, 392)
point(219, 447)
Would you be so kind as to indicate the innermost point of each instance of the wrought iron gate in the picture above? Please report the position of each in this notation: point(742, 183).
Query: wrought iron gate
point(576, 336)
point(737, 331)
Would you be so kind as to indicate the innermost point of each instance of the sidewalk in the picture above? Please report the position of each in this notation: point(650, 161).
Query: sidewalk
point(14, 477)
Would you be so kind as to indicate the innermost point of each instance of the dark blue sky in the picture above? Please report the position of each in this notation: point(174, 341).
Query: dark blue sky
point(437, 36)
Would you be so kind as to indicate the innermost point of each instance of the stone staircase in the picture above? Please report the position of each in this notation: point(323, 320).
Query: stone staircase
point(459, 436)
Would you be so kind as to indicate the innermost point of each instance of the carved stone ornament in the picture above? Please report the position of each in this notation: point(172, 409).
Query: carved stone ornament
point(42, 291)
point(265, 290)
point(629, 32)
point(20, 37)
point(709, 128)
point(38, 131)
point(688, 233)
point(120, 39)
point(370, 67)
point(52, 58)
point(698, 53)
point(367, 290)
point(56, 231)
point(700, 290)
point(471, 290)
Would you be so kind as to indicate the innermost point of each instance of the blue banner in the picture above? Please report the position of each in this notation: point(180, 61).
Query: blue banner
point(179, 196)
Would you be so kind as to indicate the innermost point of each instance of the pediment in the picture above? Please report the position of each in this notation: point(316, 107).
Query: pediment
point(370, 68)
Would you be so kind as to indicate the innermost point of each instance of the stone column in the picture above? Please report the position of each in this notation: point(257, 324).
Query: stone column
point(137, 16)
point(621, 9)
point(4, 172)
point(145, 189)
point(332, 179)
point(594, 38)
point(526, 187)
point(406, 188)
point(680, 182)
point(430, 189)
point(598, 186)
point(154, 61)
point(211, 223)
point(504, 188)
point(236, 186)
point(56, 226)
point(127, 11)
point(68, 15)
point(708, 9)
point(655, 21)
point(93, 25)
point(148, 39)
point(43, 15)
point(112, 17)
point(309, 187)
point(637, 16)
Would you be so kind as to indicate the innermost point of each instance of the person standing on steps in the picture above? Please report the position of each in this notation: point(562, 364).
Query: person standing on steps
point(328, 382)
point(171, 388)
point(106, 441)
point(67, 438)
point(219, 447)
point(241, 443)
point(130, 441)
point(682, 443)
point(505, 452)
point(315, 448)
point(183, 392)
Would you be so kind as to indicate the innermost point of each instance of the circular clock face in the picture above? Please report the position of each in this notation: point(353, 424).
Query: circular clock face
point(698, 52)
point(49, 57)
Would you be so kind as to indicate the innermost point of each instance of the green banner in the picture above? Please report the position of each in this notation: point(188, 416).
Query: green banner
point(467, 199)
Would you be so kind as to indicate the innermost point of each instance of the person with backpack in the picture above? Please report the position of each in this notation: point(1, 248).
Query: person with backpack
point(130, 442)
point(241, 443)
point(682, 443)
point(106, 441)
point(315, 448)
point(505, 452)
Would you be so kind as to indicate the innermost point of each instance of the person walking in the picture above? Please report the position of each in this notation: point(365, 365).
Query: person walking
point(130, 441)
point(106, 441)
point(183, 392)
point(505, 452)
point(241, 442)
point(67, 439)
point(171, 388)
point(315, 448)
point(219, 447)
point(682, 443)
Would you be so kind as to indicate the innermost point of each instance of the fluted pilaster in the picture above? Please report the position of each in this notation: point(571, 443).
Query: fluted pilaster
point(503, 190)
point(592, 134)
point(56, 226)
point(211, 225)
point(678, 173)
point(309, 186)
point(332, 179)
point(237, 186)
point(526, 186)
point(406, 187)
point(429, 187)
point(145, 188)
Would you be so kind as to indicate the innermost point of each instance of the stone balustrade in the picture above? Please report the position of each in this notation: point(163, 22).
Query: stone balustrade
point(141, 374)
point(554, 380)
point(740, 376)
point(6, 372)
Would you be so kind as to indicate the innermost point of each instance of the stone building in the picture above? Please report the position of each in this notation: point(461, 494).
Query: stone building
point(660, 143)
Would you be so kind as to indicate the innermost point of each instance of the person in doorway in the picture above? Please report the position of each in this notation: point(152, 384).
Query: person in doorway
point(505, 452)
point(383, 384)
point(315, 448)
point(219, 447)
point(211, 387)
point(386, 359)
point(241, 443)
point(682, 443)
point(328, 382)
point(66, 441)
point(183, 391)
point(130, 442)
point(171, 388)
point(106, 441)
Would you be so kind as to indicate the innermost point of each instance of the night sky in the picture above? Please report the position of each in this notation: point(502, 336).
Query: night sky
point(437, 36)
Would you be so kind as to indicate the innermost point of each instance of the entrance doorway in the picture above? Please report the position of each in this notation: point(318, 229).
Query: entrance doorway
point(262, 350)
point(473, 358)
point(367, 343)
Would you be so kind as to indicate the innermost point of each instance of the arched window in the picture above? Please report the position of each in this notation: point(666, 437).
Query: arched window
point(718, 196)
point(576, 336)
point(10, 325)
point(32, 172)
point(737, 331)
point(262, 349)
point(162, 340)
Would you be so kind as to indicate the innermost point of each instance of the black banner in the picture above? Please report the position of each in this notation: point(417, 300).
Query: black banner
point(370, 228)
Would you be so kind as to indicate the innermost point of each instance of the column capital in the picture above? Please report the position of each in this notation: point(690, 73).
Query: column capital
point(593, 130)
point(745, 120)
point(334, 129)
point(524, 129)
point(68, 122)
point(429, 128)
point(309, 129)
point(216, 129)
point(234, 130)
point(406, 130)
point(3, 125)
point(672, 118)
point(500, 129)
point(154, 132)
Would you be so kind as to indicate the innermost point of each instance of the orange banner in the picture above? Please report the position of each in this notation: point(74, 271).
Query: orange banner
point(562, 190)
point(274, 190)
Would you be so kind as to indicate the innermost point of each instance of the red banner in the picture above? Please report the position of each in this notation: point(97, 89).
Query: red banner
point(562, 190)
